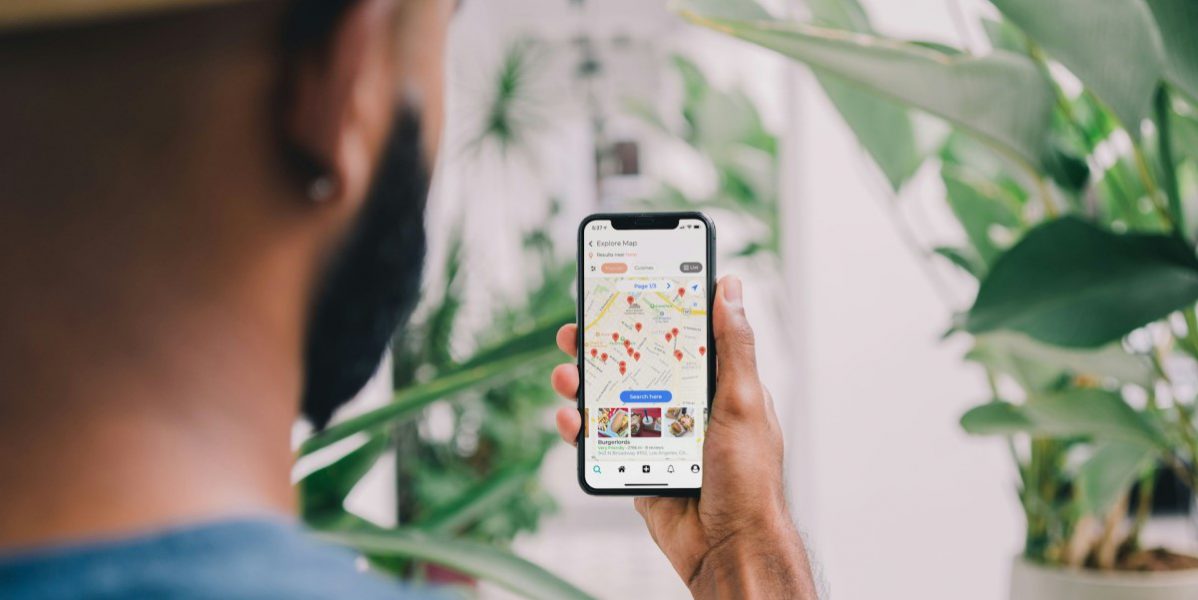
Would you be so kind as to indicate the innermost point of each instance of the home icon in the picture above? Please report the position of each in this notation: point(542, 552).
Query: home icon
point(621, 469)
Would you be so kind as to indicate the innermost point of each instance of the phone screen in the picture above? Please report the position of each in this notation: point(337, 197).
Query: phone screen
point(644, 355)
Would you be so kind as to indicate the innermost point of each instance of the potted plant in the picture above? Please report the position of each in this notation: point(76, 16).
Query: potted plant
point(1071, 163)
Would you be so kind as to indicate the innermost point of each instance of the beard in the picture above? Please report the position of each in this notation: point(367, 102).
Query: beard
point(370, 287)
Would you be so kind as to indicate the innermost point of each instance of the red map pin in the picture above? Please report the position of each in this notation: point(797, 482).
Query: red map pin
point(638, 326)
point(702, 350)
point(630, 350)
point(629, 300)
point(678, 354)
point(681, 292)
point(615, 337)
point(603, 357)
point(623, 364)
point(627, 342)
point(636, 356)
point(594, 352)
point(669, 337)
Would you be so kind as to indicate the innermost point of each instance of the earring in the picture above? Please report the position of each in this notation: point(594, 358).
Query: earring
point(321, 188)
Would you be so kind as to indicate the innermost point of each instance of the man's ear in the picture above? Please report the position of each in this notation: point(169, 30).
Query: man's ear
point(339, 98)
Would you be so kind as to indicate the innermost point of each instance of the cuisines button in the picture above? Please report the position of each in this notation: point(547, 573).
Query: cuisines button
point(645, 396)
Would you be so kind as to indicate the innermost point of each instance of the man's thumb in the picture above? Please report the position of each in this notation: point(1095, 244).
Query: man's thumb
point(736, 353)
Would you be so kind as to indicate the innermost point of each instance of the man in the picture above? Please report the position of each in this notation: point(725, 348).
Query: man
point(212, 221)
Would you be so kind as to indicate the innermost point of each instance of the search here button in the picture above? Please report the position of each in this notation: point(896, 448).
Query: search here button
point(645, 396)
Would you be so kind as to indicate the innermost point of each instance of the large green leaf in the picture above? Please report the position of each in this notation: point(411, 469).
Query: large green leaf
point(1003, 98)
point(322, 492)
point(1091, 412)
point(540, 337)
point(1003, 35)
point(1031, 375)
point(1111, 361)
point(882, 127)
point(719, 122)
point(741, 10)
point(1185, 136)
point(1071, 283)
point(1099, 413)
point(965, 258)
point(483, 561)
point(1107, 475)
point(479, 500)
point(1177, 21)
point(995, 418)
point(841, 14)
point(410, 401)
point(1112, 47)
point(980, 208)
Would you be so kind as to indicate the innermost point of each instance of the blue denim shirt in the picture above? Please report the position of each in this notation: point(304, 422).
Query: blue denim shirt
point(237, 558)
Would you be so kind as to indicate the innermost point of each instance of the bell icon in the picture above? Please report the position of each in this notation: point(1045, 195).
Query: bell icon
point(670, 469)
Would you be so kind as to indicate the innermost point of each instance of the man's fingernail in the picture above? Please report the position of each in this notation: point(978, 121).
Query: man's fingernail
point(732, 290)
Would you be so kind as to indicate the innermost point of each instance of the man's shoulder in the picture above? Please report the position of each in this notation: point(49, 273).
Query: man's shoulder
point(243, 558)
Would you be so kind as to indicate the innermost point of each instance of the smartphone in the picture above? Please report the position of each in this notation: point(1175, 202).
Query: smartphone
point(646, 357)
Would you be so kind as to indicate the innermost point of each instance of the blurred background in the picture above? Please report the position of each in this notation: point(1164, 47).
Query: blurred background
point(561, 108)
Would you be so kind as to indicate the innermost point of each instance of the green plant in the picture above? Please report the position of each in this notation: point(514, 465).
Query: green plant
point(1078, 210)
point(511, 110)
point(478, 479)
point(726, 130)
point(464, 496)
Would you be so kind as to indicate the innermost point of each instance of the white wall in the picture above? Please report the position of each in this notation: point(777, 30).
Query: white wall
point(897, 501)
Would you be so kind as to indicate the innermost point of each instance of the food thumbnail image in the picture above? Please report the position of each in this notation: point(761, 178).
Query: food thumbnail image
point(680, 421)
point(586, 419)
point(614, 423)
point(646, 422)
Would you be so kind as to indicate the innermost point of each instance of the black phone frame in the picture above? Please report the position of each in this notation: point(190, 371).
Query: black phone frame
point(642, 220)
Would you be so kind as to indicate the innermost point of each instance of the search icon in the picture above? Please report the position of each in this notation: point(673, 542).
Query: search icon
point(595, 469)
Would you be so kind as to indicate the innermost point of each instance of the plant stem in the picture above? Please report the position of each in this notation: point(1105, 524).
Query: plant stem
point(1184, 423)
point(1037, 55)
point(1150, 187)
point(1165, 141)
point(1050, 209)
point(1190, 342)
point(1111, 180)
point(1143, 506)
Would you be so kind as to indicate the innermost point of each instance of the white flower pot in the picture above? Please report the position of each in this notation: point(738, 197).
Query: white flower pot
point(1030, 581)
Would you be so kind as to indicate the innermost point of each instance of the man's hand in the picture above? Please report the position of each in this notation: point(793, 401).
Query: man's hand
point(737, 540)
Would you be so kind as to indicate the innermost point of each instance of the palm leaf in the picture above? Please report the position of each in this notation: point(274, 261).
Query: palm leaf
point(483, 561)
